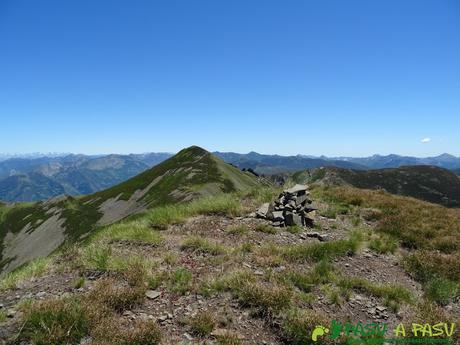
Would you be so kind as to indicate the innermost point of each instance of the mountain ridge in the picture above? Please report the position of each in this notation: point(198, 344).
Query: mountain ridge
point(29, 230)
point(429, 183)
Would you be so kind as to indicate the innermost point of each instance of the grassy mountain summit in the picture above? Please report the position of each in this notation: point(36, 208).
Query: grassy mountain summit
point(30, 230)
point(423, 182)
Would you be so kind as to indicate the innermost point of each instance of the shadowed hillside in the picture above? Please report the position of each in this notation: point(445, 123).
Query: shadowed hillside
point(427, 183)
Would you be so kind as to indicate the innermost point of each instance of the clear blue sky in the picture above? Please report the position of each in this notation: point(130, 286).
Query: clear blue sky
point(312, 77)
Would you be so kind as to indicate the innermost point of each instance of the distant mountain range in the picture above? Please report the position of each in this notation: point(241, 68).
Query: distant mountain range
point(39, 177)
point(445, 160)
point(24, 179)
point(275, 164)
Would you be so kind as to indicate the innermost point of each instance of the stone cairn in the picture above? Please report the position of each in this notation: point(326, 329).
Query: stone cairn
point(292, 207)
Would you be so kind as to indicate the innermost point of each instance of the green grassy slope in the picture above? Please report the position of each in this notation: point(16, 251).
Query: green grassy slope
point(185, 172)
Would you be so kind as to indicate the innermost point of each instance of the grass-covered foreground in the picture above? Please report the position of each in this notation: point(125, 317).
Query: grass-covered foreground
point(216, 276)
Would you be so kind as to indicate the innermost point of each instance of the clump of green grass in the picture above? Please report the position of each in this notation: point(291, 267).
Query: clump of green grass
point(246, 248)
point(238, 230)
point(202, 245)
point(228, 339)
point(54, 322)
point(96, 256)
point(299, 280)
point(268, 300)
point(297, 325)
point(162, 217)
point(170, 258)
point(114, 331)
point(333, 294)
point(2, 315)
point(125, 264)
point(222, 204)
point(108, 292)
point(333, 210)
point(383, 244)
point(136, 231)
point(202, 324)
point(393, 295)
point(442, 290)
point(266, 229)
point(295, 229)
point(426, 265)
point(269, 254)
point(322, 273)
point(180, 280)
point(33, 269)
point(261, 195)
point(439, 274)
point(321, 251)
point(78, 283)
point(154, 281)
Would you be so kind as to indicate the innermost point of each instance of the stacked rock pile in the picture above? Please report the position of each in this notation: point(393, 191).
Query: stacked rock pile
point(292, 207)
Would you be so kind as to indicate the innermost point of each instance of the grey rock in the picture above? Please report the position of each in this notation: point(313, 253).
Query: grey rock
point(301, 199)
point(293, 219)
point(321, 237)
point(152, 294)
point(188, 336)
point(297, 189)
point(163, 318)
point(278, 216)
point(263, 210)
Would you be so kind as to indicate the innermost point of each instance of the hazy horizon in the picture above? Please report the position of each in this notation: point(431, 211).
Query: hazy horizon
point(62, 154)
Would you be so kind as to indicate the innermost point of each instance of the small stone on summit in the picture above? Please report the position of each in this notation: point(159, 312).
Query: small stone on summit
point(152, 294)
point(296, 189)
point(263, 210)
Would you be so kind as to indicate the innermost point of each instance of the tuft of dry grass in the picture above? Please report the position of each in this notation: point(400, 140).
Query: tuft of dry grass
point(297, 325)
point(202, 324)
point(54, 322)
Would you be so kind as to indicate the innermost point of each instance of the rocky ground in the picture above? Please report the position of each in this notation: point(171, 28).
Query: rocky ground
point(172, 310)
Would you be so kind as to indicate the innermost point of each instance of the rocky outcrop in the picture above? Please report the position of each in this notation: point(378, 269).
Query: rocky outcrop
point(292, 207)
